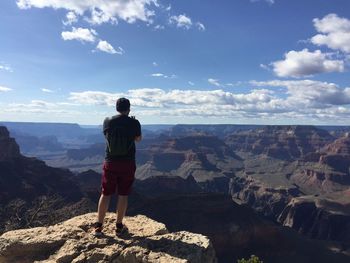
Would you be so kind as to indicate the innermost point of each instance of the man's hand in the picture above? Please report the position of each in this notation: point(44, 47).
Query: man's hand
point(138, 138)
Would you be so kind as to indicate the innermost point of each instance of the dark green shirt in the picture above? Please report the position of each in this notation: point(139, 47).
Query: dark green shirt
point(133, 129)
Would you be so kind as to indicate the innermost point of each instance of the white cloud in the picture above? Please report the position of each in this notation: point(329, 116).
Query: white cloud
point(94, 97)
point(267, 1)
point(334, 32)
point(4, 89)
point(5, 68)
point(47, 90)
point(182, 21)
point(158, 75)
point(191, 83)
point(100, 11)
point(40, 107)
point(159, 27)
point(99, 17)
point(263, 66)
point(306, 63)
point(214, 82)
point(71, 18)
point(160, 98)
point(301, 101)
point(234, 84)
point(310, 92)
point(200, 26)
point(108, 48)
point(81, 34)
point(155, 64)
point(90, 35)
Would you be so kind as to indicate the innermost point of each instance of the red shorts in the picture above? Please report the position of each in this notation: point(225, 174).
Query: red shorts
point(118, 176)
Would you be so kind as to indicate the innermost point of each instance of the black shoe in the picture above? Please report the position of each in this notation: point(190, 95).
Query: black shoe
point(97, 229)
point(121, 230)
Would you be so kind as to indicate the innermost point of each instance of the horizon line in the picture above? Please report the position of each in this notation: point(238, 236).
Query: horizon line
point(169, 124)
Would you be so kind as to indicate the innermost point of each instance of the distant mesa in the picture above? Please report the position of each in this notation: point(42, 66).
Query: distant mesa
point(281, 142)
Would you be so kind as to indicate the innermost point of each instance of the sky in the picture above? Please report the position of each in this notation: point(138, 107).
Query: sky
point(194, 61)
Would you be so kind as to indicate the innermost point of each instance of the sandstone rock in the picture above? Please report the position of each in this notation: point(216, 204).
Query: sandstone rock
point(72, 241)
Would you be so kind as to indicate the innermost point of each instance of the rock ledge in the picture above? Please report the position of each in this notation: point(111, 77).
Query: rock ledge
point(72, 241)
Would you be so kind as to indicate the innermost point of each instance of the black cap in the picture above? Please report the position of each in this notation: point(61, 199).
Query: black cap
point(123, 104)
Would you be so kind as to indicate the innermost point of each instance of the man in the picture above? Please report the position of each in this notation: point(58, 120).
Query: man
point(121, 132)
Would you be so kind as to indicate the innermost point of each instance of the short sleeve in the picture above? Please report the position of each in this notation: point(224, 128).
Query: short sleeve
point(105, 126)
point(137, 128)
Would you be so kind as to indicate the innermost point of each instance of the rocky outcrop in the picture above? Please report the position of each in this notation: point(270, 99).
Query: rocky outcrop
point(281, 142)
point(206, 158)
point(72, 241)
point(339, 146)
point(337, 154)
point(331, 169)
point(8, 146)
point(338, 162)
point(32, 193)
point(267, 200)
point(318, 218)
point(318, 180)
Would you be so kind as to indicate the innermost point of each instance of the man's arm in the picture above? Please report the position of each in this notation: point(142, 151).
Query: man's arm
point(138, 135)
point(105, 126)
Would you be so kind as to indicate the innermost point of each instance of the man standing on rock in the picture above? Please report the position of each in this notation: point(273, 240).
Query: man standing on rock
point(121, 132)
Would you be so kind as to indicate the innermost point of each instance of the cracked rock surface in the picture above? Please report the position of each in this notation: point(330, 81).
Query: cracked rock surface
point(73, 241)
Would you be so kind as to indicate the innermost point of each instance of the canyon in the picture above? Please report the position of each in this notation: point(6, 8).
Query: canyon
point(293, 177)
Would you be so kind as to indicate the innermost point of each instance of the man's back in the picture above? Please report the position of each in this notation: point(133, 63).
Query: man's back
point(120, 131)
point(119, 166)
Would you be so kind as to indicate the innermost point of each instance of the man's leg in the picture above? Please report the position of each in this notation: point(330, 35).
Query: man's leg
point(103, 205)
point(121, 207)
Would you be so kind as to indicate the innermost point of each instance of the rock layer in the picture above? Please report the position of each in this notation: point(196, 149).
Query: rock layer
point(281, 142)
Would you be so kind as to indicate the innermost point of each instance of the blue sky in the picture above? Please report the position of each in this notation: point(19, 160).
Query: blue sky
point(196, 61)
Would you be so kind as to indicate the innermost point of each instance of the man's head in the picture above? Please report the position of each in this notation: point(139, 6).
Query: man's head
point(123, 106)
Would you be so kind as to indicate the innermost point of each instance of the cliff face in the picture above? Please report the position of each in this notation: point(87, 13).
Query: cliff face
point(318, 218)
point(281, 142)
point(339, 146)
point(337, 154)
point(72, 241)
point(8, 146)
point(32, 193)
point(328, 170)
point(267, 200)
